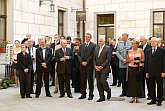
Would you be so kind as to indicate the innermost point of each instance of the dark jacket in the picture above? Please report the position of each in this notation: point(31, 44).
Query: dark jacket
point(104, 59)
point(39, 59)
point(63, 66)
point(86, 55)
point(24, 61)
point(155, 63)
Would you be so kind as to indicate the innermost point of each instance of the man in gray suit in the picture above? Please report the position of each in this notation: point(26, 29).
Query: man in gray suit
point(101, 59)
point(121, 53)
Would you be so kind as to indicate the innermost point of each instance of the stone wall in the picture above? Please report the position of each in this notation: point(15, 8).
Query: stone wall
point(30, 18)
point(131, 16)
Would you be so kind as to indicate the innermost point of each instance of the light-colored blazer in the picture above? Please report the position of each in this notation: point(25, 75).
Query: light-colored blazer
point(122, 52)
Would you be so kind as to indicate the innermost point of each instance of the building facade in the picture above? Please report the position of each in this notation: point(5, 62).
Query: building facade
point(111, 18)
point(19, 17)
point(108, 18)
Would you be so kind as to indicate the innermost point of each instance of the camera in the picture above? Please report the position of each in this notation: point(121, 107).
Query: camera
point(137, 59)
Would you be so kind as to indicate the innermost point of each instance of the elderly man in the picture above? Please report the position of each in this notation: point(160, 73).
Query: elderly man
point(155, 71)
point(145, 46)
point(101, 59)
point(32, 52)
point(64, 57)
point(121, 53)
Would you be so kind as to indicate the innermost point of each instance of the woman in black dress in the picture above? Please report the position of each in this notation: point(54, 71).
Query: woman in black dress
point(135, 59)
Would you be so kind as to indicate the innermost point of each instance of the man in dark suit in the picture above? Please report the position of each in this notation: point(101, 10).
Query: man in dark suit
point(155, 69)
point(101, 59)
point(43, 60)
point(86, 67)
point(145, 46)
point(53, 45)
point(24, 64)
point(64, 57)
point(71, 45)
point(115, 64)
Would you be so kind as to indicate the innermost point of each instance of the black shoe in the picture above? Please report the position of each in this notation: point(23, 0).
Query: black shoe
point(90, 98)
point(37, 96)
point(109, 94)
point(118, 85)
point(70, 96)
point(61, 96)
point(32, 92)
point(152, 102)
point(113, 84)
point(48, 96)
point(159, 104)
point(100, 100)
point(52, 85)
point(148, 98)
point(22, 97)
point(137, 101)
point(82, 97)
point(122, 95)
point(28, 97)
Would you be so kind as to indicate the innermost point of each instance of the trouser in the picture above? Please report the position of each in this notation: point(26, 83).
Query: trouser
point(53, 72)
point(86, 74)
point(115, 72)
point(25, 83)
point(64, 81)
point(32, 80)
point(39, 81)
point(123, 72)
point(102, 84)
point(164, 88)
point(152, 83)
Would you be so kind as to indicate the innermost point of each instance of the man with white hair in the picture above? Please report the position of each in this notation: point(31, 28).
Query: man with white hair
point(145, 46)
point(101, 59)
point(64, 57)
point(32, 52)
point(155, 71)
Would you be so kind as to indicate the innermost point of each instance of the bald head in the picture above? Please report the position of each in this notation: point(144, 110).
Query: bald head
point(101, 41)
point(143, 40)
point(154, 41)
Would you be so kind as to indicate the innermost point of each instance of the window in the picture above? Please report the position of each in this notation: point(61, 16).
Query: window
point(105, 26)
point(60, 22)
point(159, 24)
point(3, 19)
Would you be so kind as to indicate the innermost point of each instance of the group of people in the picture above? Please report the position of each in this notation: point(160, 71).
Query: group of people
point(133, 64)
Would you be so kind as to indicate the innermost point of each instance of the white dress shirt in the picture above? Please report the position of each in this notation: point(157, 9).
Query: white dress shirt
point(100, 50)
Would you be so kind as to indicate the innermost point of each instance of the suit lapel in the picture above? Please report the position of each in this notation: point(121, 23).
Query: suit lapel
point(101, 51)
point(46, 53)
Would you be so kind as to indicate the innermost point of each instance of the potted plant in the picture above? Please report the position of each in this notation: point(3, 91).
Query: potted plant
point(3, 44)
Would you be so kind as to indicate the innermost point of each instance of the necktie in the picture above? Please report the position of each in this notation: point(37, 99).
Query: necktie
point(29, 51)
point(64, 52)
point(86, 47)
point(154, 50)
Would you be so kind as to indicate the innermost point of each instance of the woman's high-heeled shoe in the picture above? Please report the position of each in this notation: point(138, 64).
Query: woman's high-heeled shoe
point(137, 101)
point(131, 101)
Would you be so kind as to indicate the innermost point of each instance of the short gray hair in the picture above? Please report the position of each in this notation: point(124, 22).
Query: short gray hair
point(125, 34)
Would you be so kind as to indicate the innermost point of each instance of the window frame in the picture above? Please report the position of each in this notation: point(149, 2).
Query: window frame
point(61, 24)
point(159, 24)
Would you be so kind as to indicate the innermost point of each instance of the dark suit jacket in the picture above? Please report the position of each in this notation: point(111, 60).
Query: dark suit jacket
point(87, 55)
point(104, 59)
point(155, 63)
point(24, 61)
point(148, 46)
point(64, 66)
point(39, 59)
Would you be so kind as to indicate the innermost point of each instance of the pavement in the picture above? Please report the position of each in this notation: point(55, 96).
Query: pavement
point(10, 100)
